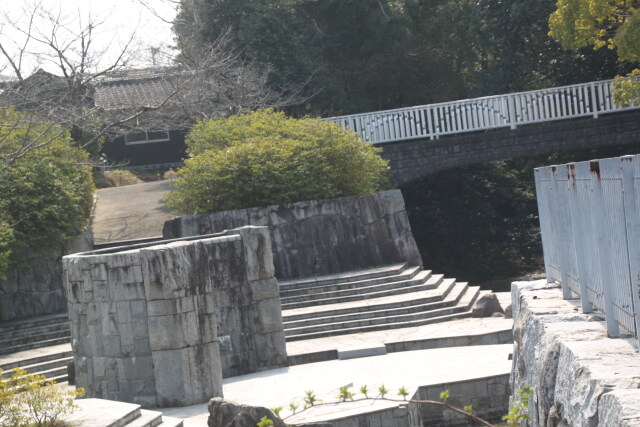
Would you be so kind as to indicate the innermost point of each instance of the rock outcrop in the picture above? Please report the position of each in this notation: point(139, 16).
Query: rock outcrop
point(228, 414)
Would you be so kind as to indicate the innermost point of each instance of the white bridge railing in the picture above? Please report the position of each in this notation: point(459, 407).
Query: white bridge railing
point(590, 226)
point(469, 115)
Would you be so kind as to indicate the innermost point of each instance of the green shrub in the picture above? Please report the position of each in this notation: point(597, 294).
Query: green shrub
point(28, 400)
point(264, 158)
point(46, 194)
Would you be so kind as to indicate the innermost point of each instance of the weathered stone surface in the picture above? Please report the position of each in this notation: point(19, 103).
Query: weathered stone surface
point(580, 376)
point(486, 306)
point(227, 414)
point(489, 397)
point(36, 289)
point(319, 237)
point(146, 322)
point(508, 312)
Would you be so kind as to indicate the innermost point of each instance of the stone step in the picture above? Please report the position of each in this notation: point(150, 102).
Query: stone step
point(406, 275)
point(385, 302)
point(33, 322)
point(351, 276)
point(459, 311)
point(103, 413)
point(33, 345)
point(28, 358)
point(347, 290)
point(146, 419)
point(438, 298)
point(43, 367)
point(171, 422)
point(422, 282)
point(445, 306)
point(35, 330)
point(16, 341)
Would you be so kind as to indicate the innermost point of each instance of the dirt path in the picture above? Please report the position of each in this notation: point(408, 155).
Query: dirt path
point(130, 212)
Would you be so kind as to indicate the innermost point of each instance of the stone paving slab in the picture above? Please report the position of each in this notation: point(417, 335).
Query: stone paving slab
point(451, 329)
point(103, 413)
point(279, 387)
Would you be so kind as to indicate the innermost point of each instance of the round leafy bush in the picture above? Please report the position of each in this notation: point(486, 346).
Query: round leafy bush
point(265, 157)
point(46, 193)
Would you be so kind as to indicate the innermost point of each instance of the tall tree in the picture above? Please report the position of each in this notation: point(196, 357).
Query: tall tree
point(597, 23)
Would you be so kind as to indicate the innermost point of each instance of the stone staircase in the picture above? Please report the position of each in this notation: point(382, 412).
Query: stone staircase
point(109, 413)
point(396, 296)
point(40, 345)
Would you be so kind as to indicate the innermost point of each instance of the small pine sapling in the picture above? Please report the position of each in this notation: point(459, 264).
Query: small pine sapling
point(403, 392)
point(309, 398)
point(364, 390)
point(345, 394)
point(382, 390)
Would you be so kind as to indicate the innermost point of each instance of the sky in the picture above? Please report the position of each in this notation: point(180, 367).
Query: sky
point(119, 21)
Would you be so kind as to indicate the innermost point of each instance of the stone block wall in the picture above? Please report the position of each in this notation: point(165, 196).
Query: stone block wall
point(36, 289)
point(148, 323)
point(489, 397)
point(579, 376)
point(319, 237)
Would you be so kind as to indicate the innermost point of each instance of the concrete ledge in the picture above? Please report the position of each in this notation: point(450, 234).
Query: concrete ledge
point(354, 353)
point(579, 375)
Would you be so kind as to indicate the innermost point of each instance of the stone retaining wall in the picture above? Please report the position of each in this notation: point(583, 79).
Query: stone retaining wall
point(158, 325)
point(489, 397)
point(36, 289)
point(580, 376)
point(320, 237)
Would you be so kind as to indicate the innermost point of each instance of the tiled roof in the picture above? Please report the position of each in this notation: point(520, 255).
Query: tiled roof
point(135, 88)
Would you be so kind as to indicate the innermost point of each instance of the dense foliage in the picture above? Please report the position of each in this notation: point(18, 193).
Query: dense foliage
point(45, 195)
point(480, 223)
point(362, 55)
point(265, 157)
point(476, 222)
point(611, 24)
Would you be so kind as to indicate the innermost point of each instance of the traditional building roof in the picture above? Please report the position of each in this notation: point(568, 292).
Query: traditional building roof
point(135, 88)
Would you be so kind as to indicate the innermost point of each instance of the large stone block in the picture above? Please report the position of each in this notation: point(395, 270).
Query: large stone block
point(267, 315)
point(146, 323)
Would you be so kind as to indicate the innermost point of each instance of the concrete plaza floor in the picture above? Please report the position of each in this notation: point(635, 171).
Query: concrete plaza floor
point(411, 369)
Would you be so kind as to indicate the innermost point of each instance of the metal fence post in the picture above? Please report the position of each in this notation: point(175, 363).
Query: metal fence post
point(603, 250)
point(512, 111)
point(546, 234)
point(560, 230)
point(633, 232)
point(579, 245)
point(594, 100)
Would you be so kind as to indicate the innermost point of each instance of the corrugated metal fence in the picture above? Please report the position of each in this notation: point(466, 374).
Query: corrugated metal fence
point(590, 226)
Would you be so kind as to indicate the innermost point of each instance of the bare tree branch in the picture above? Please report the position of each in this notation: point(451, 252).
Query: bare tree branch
point(79, 98)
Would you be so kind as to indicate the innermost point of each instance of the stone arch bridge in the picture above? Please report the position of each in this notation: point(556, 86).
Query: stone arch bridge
point(422, 140)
